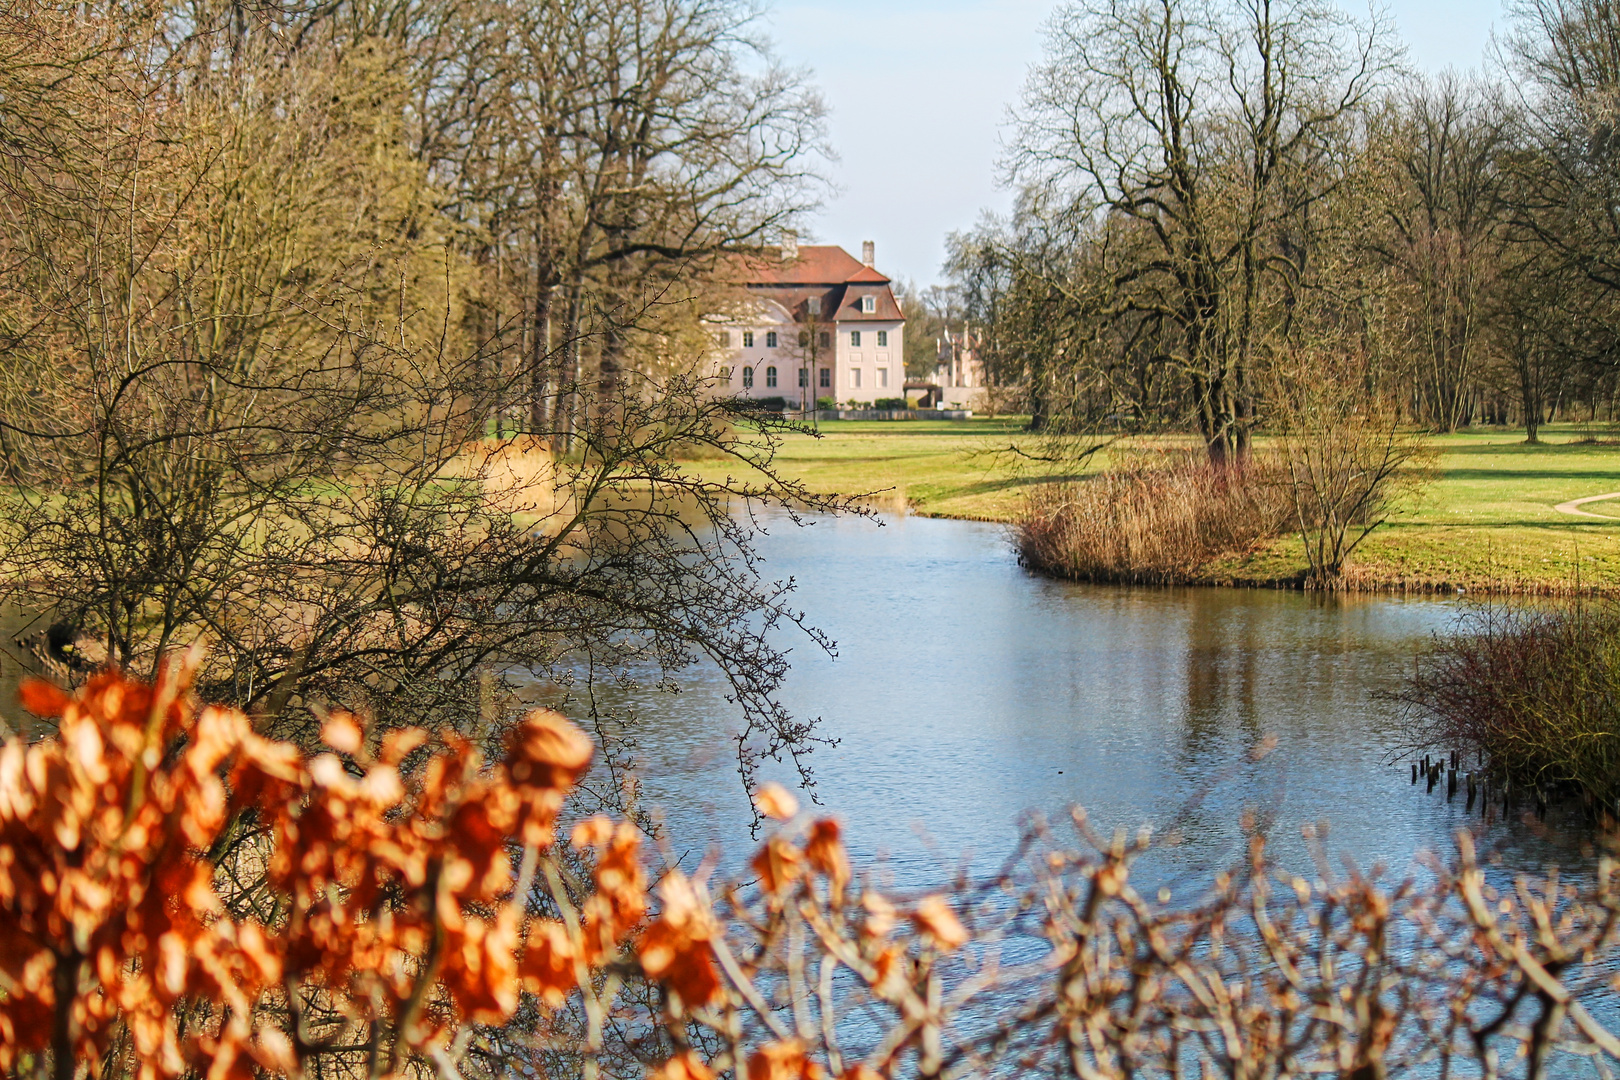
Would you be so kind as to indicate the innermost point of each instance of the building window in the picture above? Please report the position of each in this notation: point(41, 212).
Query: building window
point(883, 376)
point(770, 376)
point(883, 339)
point(725, 373)
point(804, 339)
point(723, 339)
point(804, 378)
point(854, 339)
point(813, 305)
point(826, 340)
point(748, 339)
point(826, 378)
point(748, 378)
point(868, 304)
point(855, 378)
point(770, 340)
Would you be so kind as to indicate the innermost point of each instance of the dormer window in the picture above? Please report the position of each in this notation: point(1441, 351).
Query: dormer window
point(868, 304)
point(813, 305)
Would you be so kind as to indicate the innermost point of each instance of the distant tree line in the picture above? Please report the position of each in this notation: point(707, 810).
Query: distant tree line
point(1221, 205)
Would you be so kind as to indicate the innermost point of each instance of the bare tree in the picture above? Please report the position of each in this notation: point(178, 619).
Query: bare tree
point(1347, 460)
point(241, 402)
point(1207, 135)
point(1445, 237)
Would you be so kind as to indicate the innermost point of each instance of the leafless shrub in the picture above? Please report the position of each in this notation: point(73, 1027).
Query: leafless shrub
point(1060, 965)
point(1533, 691)
point(1345, 478)
point(382, 932)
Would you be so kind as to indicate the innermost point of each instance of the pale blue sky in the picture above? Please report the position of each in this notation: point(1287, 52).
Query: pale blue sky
point(919, 93)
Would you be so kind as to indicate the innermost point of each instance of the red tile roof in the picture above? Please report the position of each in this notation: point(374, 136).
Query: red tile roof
point(817, 264)
point(886, 309)
point(827, 271)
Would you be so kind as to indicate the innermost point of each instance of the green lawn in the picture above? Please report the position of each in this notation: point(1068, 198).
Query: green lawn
point(1487, 522)
point(942, 468)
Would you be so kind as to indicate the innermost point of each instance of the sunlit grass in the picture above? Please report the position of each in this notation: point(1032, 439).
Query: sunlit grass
point(941, 468)
point(1486, 521)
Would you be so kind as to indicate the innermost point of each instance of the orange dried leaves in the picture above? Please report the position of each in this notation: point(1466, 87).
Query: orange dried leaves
point(939, 923)
point(386, 887)
point(676, 948)
point(99, 874)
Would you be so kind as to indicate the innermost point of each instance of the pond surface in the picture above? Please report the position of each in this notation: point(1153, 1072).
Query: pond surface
point(967, 692)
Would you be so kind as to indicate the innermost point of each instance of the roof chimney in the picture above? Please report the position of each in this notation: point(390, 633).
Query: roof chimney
point(790, 245)
point(868, 252)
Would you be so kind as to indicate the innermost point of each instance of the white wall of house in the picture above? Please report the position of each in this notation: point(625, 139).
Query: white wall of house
point(870, 360)
point(865, 360)
point(748, 364)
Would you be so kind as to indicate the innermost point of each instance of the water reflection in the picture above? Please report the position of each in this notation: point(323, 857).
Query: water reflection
point(967, 692)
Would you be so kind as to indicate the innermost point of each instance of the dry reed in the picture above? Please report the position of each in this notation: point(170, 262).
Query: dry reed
point(1155, 518)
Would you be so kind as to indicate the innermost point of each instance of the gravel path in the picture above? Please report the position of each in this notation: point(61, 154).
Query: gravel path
point(1574, 506)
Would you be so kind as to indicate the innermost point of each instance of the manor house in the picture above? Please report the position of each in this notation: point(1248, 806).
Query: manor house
point(821, 325)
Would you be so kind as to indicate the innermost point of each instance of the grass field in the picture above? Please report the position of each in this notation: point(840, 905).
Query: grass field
point(942, 468)
point(1486, 523)
point(1488, 520)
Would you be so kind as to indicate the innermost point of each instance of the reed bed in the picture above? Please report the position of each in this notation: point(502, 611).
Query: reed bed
point(1154, 519)
point(1532, 694)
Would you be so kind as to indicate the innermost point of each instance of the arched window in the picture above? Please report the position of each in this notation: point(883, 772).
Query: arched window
point(770, 376)
point(725, 373)
point(748, 378)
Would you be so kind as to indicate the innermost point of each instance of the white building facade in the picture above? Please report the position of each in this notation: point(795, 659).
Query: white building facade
point(820, 324)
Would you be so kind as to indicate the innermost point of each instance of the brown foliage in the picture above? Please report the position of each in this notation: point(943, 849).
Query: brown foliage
point(1152, 519)
point(388, 902)
point(384, 925)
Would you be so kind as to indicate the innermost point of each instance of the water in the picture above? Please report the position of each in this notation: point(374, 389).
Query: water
point(968, 692)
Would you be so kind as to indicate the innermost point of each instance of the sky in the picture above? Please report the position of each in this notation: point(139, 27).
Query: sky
point(919, 93)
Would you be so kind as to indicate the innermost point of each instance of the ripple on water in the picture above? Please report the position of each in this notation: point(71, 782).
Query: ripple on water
point(967, 692)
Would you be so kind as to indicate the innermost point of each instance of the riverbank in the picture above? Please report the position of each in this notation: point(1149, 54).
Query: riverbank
point(1487, 524)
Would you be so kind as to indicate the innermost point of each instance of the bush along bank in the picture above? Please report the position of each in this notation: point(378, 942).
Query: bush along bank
point(1530, 698)
point(1155, 519)
point(1164, 518)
